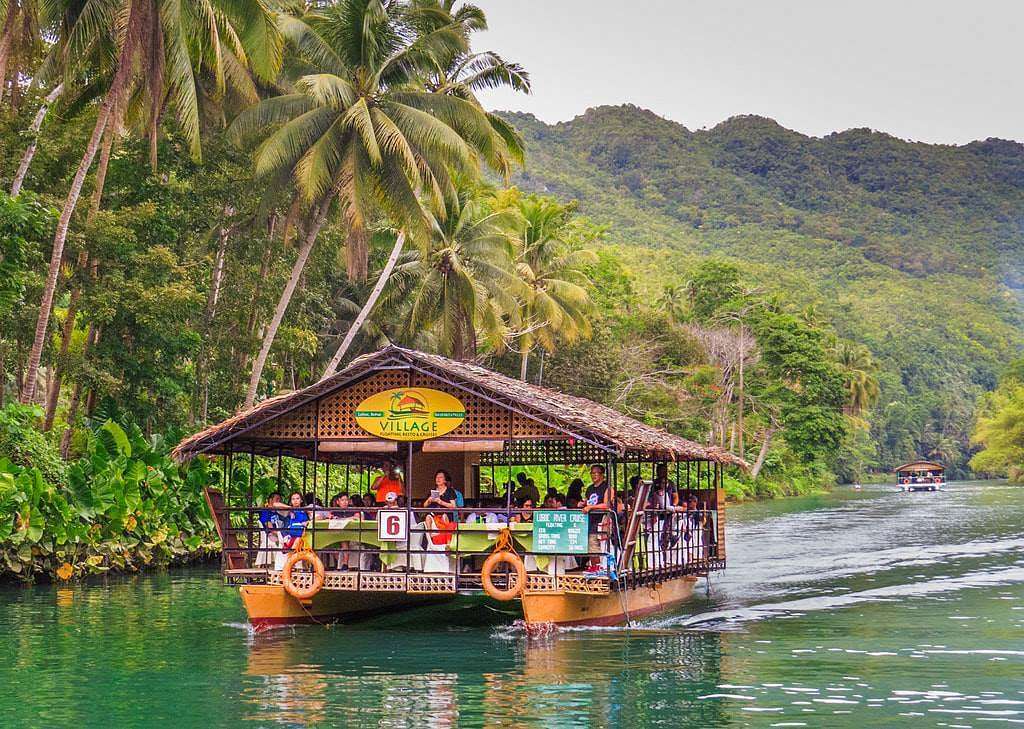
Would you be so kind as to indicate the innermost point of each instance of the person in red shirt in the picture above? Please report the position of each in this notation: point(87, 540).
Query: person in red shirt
point(389, 482)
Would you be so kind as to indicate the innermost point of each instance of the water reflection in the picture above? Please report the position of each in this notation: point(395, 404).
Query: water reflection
point(571, 679)
point(875, 610)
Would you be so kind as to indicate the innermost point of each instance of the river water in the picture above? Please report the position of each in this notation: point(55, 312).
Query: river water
point(855, 609)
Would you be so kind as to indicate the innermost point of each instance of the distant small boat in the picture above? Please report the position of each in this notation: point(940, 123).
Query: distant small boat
point(921, 476)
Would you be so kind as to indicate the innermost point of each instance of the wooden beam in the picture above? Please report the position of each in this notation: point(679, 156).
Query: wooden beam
point(463, 446)
point(358, 446)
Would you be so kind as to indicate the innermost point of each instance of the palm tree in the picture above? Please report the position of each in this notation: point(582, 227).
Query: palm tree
point(161, 48)
point(361, 126)
point(464, 278)
point(860, 382)
point(557, 304)
point(673, 301)
point(461, 75)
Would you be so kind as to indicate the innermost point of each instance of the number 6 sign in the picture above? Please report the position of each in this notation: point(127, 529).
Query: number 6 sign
point(392, 525)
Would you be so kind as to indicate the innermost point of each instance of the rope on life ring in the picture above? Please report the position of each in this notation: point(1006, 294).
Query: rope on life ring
point(504, 552)
point(302, 554)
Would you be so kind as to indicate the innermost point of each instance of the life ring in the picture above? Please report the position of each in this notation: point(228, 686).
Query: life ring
point(938, 479)
point(309, 557)
point(905, 480)
point(496, 558)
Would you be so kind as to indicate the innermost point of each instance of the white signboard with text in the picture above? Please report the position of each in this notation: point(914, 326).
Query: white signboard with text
point(392, 525)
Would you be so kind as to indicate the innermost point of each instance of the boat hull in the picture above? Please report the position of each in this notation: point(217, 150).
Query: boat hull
point(613, 608)
point(270, 605)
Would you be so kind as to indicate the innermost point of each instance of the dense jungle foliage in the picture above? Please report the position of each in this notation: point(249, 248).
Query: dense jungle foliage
point(197, 216)
point(914, 251)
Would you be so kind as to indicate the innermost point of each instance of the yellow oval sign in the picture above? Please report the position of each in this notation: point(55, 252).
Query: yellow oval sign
point(410, 413)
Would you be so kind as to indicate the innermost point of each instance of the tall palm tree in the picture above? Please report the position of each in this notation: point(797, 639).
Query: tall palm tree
point(461, 75)
point(161, 47)
point(464, 278)
point(860, 381)
point(557, 305)
point(360, 126)
point(26, 24)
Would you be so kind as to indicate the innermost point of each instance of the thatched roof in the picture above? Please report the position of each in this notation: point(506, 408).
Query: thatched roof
point(613, 430)
point(921, 465)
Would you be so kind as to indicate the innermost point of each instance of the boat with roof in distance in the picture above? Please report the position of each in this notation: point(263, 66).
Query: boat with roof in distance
point(460, 517)
point(921, 476)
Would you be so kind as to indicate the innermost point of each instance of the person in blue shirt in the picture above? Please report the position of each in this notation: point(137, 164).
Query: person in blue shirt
point(297, 518)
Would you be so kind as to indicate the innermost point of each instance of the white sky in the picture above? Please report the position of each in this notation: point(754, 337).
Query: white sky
point(937, 71)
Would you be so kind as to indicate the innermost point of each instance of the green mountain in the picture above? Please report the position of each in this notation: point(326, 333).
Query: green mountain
point(915, 250)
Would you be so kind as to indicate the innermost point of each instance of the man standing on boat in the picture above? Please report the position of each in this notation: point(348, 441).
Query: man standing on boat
point(390, 482)
point(664, 500)
point(599, 499)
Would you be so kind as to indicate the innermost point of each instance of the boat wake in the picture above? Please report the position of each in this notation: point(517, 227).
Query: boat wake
point(719, 620)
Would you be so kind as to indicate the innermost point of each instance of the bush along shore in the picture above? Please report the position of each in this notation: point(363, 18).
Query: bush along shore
point(122, 506)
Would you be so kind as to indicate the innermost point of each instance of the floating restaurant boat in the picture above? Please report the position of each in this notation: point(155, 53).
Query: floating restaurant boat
point(632, 556)
point(921, 476)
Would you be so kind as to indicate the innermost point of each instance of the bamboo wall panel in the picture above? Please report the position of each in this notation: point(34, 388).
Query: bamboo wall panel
point(483, 418)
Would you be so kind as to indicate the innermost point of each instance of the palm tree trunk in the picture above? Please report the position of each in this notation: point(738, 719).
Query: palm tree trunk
point(762, 454)
point(53, 393)
point(76, 396)
point(46, 303)
point(101, 173)
point(741, 405)
point(286, 297)
point(524, 359)
point(5, 42)
point(30, 151)
point(216, 279)
point(371, 301)
point(137, 19)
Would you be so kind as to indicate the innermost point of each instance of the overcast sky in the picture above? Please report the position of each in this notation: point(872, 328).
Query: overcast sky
point(935, 71)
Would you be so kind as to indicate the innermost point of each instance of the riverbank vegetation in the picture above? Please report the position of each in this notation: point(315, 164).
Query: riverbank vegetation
point(999, 431)
point(199, 215)
point(911, 251)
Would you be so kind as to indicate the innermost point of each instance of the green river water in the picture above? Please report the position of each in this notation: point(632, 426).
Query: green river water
point(855, 609)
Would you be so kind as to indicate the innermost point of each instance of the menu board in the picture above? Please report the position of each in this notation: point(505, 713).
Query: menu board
point(559, 531)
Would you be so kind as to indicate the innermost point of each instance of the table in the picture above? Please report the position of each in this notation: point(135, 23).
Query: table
point(477, 537)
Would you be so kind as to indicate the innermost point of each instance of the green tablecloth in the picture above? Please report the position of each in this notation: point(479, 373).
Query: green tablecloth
point(478, 537)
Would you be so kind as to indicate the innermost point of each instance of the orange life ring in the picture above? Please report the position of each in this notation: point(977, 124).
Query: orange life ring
point(493, 561)
point(309, 557)
point(905, 480)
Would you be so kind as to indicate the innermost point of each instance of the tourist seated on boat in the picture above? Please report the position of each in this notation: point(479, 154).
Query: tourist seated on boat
point(574, 494)
point(525, 513)
point(340, 509)
point(598, 503)
point(444, 493)
point(298, 516)
point(271, 524)
point(440, 523)
point(519, 486)
point(527, 490)
point(495, 512)
point(390, 482)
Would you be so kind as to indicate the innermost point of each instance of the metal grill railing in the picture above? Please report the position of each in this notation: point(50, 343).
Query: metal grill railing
point(669, 543)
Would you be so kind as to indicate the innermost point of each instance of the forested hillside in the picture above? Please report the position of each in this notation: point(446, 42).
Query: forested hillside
point(914, 250)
